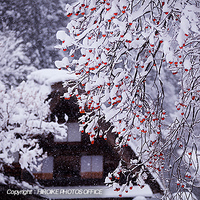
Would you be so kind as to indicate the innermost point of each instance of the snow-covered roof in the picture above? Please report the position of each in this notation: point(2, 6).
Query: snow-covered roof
point(51, 76)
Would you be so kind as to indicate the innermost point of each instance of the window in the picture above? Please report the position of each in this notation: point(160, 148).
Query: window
point(15, 156)
point(92, 166)
point(73, 133)
point(46, 170)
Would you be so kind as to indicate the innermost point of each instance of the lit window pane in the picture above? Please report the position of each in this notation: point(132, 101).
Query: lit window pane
point(16, 157)
point(97, 163)
point(47, 166)
point(85, 163)
point(73, 132)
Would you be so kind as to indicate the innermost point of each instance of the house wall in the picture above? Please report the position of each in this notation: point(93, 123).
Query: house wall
point(70, 160)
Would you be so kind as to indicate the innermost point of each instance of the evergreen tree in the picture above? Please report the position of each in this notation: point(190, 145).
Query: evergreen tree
point(14, 64)
point(35, 22)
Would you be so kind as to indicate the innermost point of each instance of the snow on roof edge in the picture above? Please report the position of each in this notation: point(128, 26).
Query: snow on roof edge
point(51, 76)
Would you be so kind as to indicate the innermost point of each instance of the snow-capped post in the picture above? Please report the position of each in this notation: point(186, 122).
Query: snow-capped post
point(122, 52)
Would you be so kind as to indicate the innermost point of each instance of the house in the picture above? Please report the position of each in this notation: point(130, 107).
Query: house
point(74, 162)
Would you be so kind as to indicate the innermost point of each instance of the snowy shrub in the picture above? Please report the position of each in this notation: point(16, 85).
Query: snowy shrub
point(23, 113)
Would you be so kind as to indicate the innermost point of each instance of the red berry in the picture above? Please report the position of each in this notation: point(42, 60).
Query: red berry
point(69, 15)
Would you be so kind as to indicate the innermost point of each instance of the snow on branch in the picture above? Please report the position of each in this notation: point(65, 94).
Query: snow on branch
point(126, 56)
